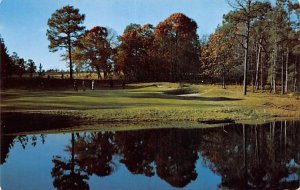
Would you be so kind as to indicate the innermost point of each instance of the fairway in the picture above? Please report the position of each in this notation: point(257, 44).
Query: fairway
point(153, 102)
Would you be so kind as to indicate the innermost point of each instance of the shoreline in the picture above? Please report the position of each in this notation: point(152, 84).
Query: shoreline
point(73, 124)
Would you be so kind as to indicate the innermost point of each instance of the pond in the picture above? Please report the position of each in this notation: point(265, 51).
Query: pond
point(235, 156)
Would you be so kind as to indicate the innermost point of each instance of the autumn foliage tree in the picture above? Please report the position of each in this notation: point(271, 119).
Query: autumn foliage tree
point(178, 46)
point(217, 57)
point(128, 51)
point(134, 54)
point(167, 52)
point(94, 49)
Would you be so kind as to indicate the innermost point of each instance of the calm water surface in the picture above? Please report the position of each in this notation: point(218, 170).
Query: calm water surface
point(231, 157)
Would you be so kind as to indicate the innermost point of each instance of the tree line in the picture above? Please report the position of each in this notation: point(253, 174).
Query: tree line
point(257, 43)
point(169, 51)
point(15, 65)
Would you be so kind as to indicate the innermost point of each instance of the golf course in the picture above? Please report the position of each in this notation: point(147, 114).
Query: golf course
point(153, 102)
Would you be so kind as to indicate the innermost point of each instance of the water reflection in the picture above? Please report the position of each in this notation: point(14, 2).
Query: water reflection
point(255, 157)
point(7, 143)
point(66, 173)
point(246, 157)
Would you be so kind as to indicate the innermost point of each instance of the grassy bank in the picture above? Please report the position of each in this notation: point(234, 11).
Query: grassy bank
point(152, 102)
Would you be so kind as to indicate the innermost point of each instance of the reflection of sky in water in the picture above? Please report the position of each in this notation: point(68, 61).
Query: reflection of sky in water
point(122, 179)
point(31, 169)
point(292, 176)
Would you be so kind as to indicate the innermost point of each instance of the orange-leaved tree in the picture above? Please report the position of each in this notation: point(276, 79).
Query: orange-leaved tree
point(95, 50)
point(178, 46)
point(135, 53)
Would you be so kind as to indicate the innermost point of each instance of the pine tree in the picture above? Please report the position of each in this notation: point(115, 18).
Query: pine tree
point(65, 27)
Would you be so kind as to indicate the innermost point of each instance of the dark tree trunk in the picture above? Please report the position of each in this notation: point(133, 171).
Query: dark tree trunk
point(286, 70)
point(274, 69)
point(99, 74)
point(223, 79)
point(285, 141)
point(252, 73)
point(223, 84)
point(246, 58)
point(245, 154)
point(282, 75)
point(70, 57)
point(261, 77)
point(295, 77)
point(256, 145)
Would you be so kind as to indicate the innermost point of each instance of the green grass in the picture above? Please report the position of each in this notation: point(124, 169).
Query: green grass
point(153, 102)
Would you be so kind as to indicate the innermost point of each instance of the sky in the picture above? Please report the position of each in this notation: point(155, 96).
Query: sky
point(23, 23)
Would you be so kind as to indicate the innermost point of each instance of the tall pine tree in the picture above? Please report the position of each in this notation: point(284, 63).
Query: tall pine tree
point(65, 27)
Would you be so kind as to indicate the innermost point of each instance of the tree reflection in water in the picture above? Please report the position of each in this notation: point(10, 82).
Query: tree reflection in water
point(172, 151)
point(176, 157)
point(271, 160)
point(67, 173)
point(246, 157)
point(94, 152)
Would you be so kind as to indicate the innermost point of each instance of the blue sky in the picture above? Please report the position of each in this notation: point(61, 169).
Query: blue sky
point(23, 23)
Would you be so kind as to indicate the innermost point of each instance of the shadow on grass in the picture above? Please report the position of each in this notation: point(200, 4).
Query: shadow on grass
point(10, 93)
point(44, 84)
point(175, 97)
point(15, 122)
